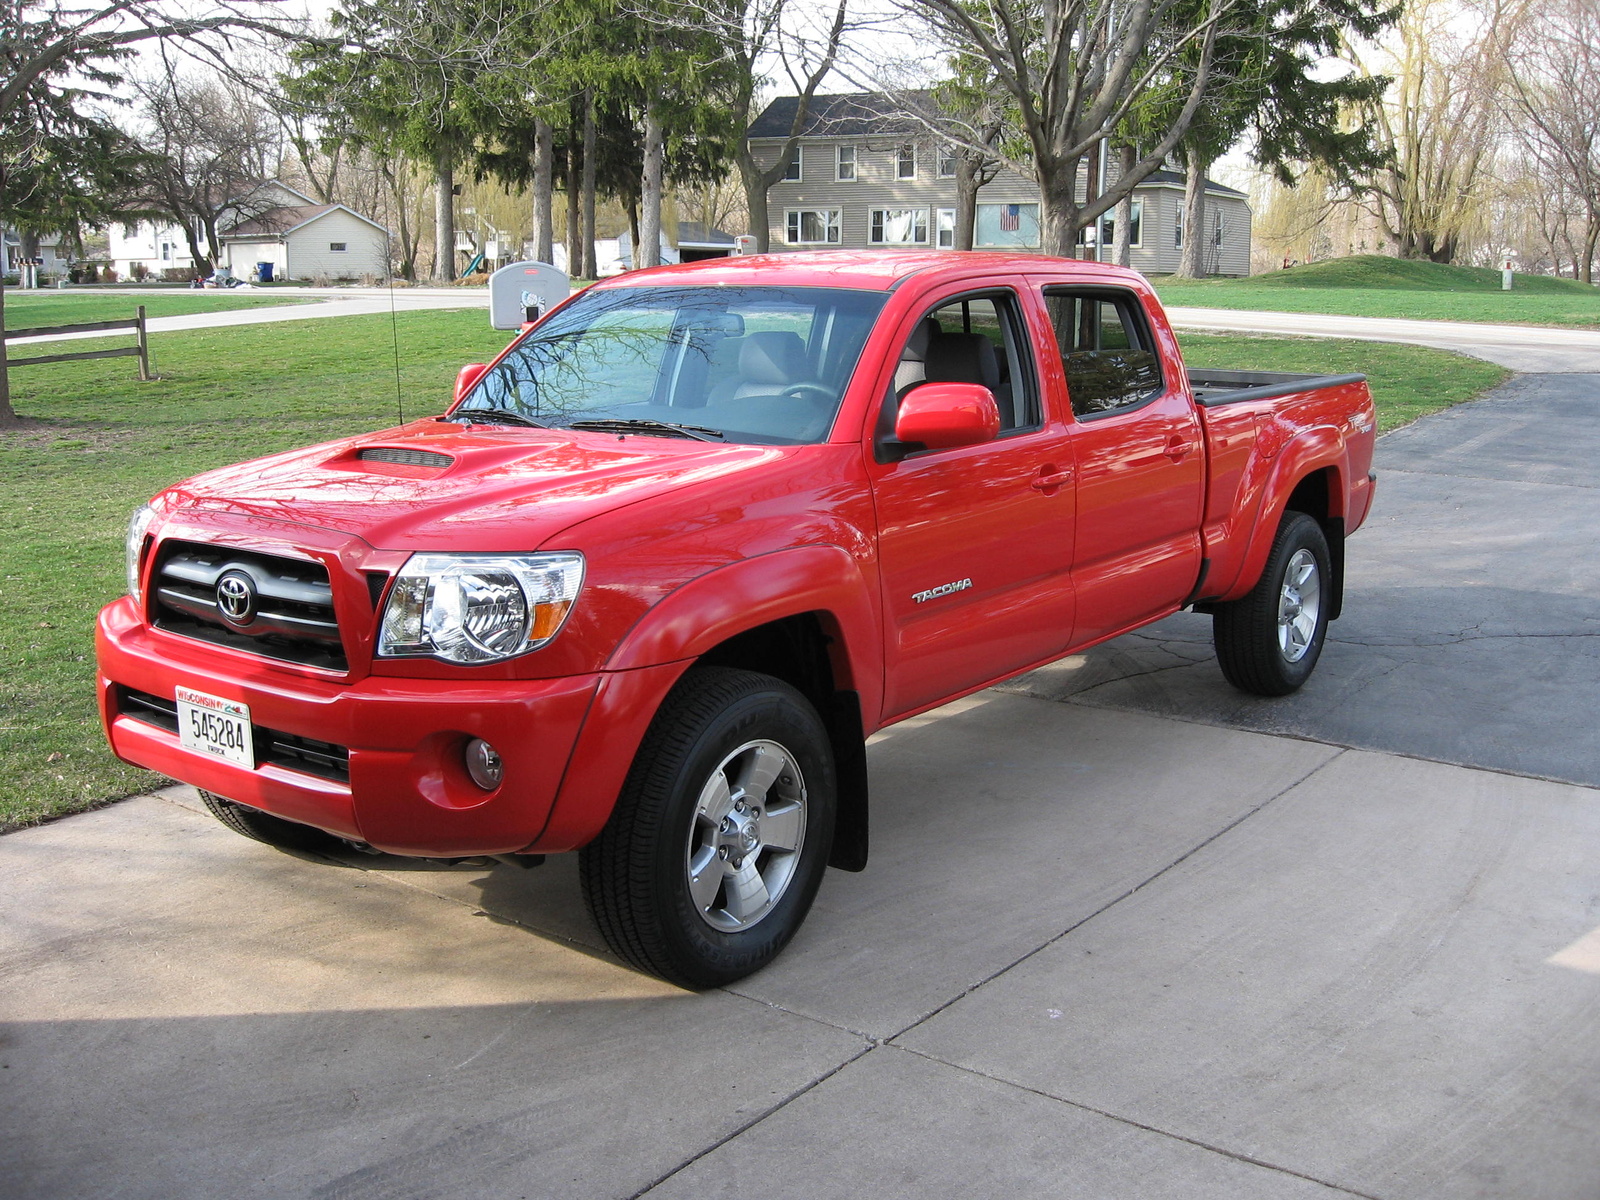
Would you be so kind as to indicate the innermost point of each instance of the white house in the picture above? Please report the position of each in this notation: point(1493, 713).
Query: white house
point(276, 224)
point(308, 241)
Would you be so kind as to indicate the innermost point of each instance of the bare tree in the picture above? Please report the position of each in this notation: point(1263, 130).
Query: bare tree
point(214, 148)
point(1073, 71)
point(1443, 117)
point(1552, 87)
point(56, 60)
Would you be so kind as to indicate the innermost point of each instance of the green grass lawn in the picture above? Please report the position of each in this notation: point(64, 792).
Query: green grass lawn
point(1370, 285)
point(27, 310)
point(102, 443)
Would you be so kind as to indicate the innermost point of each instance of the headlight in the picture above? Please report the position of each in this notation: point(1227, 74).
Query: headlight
point(478, 608)
point(138, 527)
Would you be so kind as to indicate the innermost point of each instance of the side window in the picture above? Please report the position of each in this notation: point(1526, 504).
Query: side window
point(974, 339)
point(1106, 349)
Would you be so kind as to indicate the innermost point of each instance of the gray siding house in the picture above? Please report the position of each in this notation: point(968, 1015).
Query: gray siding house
point(865, 174)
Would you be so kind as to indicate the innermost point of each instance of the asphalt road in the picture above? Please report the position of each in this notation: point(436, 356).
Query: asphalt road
point(1125, 935)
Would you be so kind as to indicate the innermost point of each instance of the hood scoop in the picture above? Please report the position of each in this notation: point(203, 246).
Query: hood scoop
point(402, 457)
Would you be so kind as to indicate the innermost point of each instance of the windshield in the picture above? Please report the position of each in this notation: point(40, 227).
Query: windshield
point(752, 364)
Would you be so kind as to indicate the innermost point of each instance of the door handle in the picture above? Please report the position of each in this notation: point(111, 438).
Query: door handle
point(1049, 479)
point(1177, 448)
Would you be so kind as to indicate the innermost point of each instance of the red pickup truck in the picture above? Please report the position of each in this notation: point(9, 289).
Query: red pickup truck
point(647, 587)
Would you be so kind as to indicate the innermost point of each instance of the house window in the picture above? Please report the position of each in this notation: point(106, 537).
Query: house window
point(899, 227)
point(946, 163)
point(1000, 225)
point(945, 228)
point(791, 173)
point(130, 229)
point(845, 164)
point(339, 246)
point(812, 226)
point(1177, 231)
point(905, 163)
point(1108, 226)
point(1216, 232)
point(166, 251)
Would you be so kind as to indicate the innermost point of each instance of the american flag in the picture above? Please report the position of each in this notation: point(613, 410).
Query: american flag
point(1011, 218)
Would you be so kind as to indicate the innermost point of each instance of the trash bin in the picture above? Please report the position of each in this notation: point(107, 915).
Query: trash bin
point(264, 272)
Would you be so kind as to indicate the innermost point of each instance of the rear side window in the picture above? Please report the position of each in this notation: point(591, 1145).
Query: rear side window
point(1106, 349)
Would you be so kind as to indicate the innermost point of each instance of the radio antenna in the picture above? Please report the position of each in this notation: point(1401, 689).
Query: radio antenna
point(394, 331)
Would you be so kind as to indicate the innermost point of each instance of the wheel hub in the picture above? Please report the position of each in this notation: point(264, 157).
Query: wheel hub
point(1299, 606)
point(745, 841)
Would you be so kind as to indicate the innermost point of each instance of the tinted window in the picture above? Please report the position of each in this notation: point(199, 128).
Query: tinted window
point(1110, 362)
point(758, 364)
point(976, 339)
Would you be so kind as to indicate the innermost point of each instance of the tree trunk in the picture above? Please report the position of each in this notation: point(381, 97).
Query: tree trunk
point(1191, 265)
point(574, 224)
point(1122, 238)
point(967, 185)
point(1058, 207)
point(647, 253)
point(591, 266)
point(202, 265)
point(755, 199)
point(544, 223)
point(444, 220)
point(633, 228)
point(1591, 236)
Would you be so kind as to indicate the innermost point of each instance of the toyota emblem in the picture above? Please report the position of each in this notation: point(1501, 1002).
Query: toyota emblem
point(236, 598)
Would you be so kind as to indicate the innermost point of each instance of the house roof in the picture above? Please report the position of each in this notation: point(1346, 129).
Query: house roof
point(864, 114)
point(1179, 179)
point(284, 220)
point(852, 114)
point(695, 233)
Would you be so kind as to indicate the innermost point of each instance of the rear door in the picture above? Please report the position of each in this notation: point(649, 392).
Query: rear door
point(1140, 459)
point(974, 542)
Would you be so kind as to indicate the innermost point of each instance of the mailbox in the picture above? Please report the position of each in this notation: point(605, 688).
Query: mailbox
point(519, 293)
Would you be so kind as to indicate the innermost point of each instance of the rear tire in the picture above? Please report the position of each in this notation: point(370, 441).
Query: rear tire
point(720, 837)
point(274, 831)
point(1268, 642)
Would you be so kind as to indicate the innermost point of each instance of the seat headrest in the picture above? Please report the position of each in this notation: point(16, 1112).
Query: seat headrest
point(926, 331)
point(963, 358)
point(774, 356)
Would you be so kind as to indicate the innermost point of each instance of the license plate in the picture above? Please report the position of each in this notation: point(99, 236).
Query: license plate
point(212, 725)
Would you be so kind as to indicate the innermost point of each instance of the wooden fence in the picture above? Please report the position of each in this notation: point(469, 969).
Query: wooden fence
point(140, 349)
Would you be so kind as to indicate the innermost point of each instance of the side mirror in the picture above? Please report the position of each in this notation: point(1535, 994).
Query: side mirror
point(466, 377)
point(944, 415)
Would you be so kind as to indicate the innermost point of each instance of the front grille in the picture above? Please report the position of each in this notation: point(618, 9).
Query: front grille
point(292, 617)
point(407, 458)
point(307, 755)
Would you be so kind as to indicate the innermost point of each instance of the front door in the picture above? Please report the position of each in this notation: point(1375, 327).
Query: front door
point(974, 542)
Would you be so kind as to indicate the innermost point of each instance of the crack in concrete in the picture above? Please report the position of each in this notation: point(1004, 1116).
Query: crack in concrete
point(1237, 1156)
point(1109, 904)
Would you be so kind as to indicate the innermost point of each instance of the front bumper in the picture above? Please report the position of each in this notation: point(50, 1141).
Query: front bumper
point(407, 792)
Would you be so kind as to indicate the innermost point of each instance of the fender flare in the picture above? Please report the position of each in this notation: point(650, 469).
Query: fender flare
point(711, 608)
point(1314, 450)
point(702, 613)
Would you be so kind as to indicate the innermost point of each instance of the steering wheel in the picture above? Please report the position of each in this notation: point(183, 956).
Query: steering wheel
point(799, 389)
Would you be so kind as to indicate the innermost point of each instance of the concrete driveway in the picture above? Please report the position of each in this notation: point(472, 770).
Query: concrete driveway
point(1125, 934)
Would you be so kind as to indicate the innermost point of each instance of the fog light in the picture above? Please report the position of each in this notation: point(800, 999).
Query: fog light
point(484, 765)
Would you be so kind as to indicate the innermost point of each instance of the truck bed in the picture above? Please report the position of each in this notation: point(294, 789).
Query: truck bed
point(1214, 386)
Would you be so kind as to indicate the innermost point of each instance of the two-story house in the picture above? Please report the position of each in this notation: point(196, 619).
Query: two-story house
point(866, 174)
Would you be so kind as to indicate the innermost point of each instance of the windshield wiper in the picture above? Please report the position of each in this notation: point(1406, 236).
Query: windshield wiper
point(495, 416)
point(645, 425)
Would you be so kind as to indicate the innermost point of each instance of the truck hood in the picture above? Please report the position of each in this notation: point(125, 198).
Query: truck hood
point(434, 485)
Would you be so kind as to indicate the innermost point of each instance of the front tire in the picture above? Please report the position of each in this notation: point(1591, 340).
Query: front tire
point(720, 837)
point(1268, 642)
